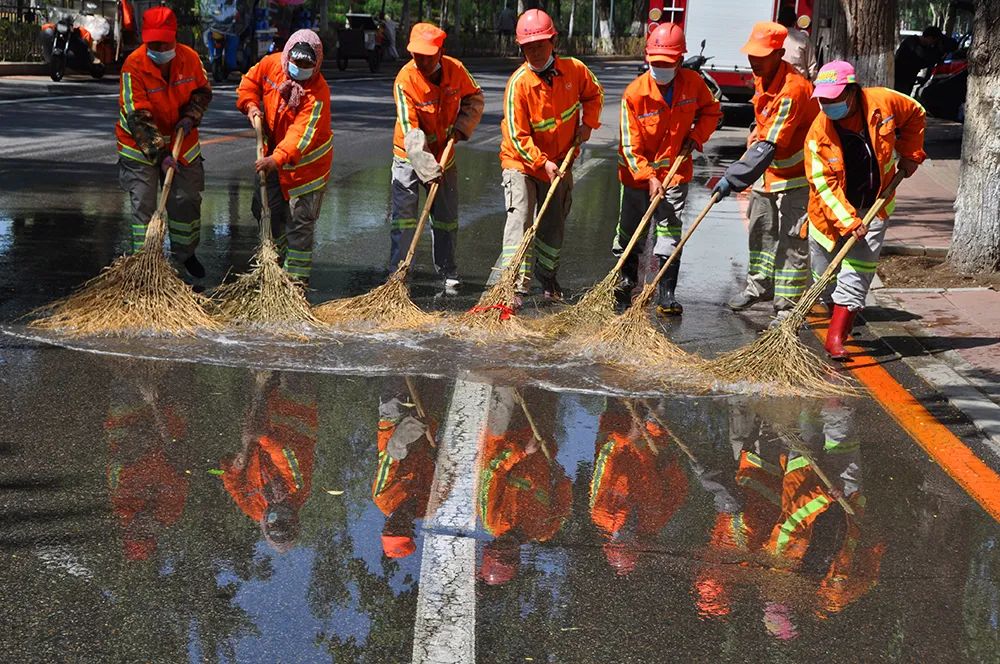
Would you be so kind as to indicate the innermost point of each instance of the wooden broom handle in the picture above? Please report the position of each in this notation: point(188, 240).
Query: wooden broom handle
point(680, 245)
point(637, 421)
point(418, 405)
point(426, 212)
point(876, 207)
point(161, 206)
point(640, 229)
point(563, 167)
point(673, 436)
point(531, 423)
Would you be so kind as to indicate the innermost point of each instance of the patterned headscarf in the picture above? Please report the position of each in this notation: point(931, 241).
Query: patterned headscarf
point(291, 91)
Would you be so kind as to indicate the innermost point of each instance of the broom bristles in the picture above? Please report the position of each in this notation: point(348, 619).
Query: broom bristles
point(594, 309)
point(631, 339)
point(388, 306)
point(779, 358)
point(136, 294)
point(266, 296)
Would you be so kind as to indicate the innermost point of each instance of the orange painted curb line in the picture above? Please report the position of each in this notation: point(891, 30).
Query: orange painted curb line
point(228, 138)
point(975, 477)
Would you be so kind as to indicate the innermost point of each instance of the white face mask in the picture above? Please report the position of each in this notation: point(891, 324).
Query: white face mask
point(552, 58)
point(662, 75)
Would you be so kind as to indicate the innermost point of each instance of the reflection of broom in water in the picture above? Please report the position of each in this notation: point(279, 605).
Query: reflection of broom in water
point(135, 294)
point(630, 338)
point(267, 295)
point(778, 356)
point(389, 306)
point(494, 312)
point(597, 306)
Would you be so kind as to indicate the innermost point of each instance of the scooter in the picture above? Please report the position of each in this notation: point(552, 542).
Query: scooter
point(695, 63)
point(65, 46)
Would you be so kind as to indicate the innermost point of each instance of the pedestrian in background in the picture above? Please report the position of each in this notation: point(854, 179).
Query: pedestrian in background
point(289, 94)
point(163, 90)
point(917, 52)
point(436, 94)
point(799, 49)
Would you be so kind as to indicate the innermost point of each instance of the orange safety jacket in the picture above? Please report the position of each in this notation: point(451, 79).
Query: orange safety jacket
point(285, 451)
point(455, 102)
point(629, 477)
point(761, 484)
point(783, 113)
point(539, 121)
point(651, 132)
point(895, 124)
point(142, 88)
point(301, 141)
point(520, 490)
point(399, 481)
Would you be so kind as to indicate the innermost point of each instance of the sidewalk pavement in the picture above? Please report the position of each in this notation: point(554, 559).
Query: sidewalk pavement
point(950, 337)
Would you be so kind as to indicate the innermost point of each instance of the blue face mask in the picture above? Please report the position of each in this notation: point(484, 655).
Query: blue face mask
point(161, 57)
point(836, 111)
point(298, 73)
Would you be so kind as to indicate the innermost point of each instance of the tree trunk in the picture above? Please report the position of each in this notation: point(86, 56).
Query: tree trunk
point(975, 244)
point(872, 27)
point(404, 22)
point(572, 15)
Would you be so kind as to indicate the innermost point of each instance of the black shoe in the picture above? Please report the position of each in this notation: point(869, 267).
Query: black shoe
point(668, 306)
point(194, 267)
point(551, 288)
point(623, 291)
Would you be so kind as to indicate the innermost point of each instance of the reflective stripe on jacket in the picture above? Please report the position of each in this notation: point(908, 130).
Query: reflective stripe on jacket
point(301, 141)
point(783, 114)
point(405, 480)
point(457, 101)
point(539, 121)
point(651, 132)
point(142, 88)
point(895, 124)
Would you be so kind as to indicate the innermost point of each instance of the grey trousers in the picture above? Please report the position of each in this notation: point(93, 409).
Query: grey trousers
point(406, 210)
point(293, 224)
point(856, 272)
point(779, 257)
point(142, 184)
point(666, 217)
point(523, 195)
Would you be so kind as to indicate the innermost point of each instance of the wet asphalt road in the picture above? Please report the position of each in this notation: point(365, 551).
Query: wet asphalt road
point(225, 500)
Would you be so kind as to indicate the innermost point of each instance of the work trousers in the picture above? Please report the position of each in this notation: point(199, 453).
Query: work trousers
point(856, 272)
point(778, 255)
point(666, 218)
point(293, 224)
point(405, 212)
point(523, 194)
point(142, 184)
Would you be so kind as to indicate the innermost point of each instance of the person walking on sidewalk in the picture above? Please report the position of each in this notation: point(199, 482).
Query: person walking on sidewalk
point(783, 111)
point(436, 94)
point(666, 112)
point(289, 94)
point(163, 90)
point(551, 106)
point(850, 157)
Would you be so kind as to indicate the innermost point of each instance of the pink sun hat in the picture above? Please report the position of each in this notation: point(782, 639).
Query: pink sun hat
point(832, 78)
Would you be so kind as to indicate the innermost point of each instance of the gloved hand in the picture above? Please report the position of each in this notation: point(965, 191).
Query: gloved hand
point(423, 162)
point(723, 188)
point(168, 163)
point(186, 123)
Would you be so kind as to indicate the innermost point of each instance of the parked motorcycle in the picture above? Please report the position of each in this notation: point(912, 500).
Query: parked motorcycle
point(66, 44)
point(234, 36)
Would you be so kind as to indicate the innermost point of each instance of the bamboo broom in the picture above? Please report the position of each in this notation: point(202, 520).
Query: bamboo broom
point(597, 306)
point(389, 306)
point(266, 296)
point(494, 313)
point(630, 338)
point(777, 356)
point(136, 294)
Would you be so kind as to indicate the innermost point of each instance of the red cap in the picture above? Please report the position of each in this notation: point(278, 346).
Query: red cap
point(398, 546)
point(159, 25)
point(665, 43)
point(426, 39)
point(766, 38)
point(534, 25)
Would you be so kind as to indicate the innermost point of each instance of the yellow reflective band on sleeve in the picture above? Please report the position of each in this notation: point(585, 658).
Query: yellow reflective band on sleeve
point(133, 154)
point(193, 153)
point(626, 138)
point(794, 160)
point(569, 112)
point(509, 114)
point(823, 188)
point(384, 464)
point(784, 110)
point(600, 465)
point(402, 111)
point(127, 98)
point(310, 131)
point(312, 155)
point(796, 464)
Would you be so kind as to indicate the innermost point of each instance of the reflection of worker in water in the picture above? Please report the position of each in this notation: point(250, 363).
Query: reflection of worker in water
point(523, 494)
point(271, 477)
point(638, 483)
point(406, 455)
point(146, 480)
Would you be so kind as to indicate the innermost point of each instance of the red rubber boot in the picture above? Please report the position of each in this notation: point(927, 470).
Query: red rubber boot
point(841, 323)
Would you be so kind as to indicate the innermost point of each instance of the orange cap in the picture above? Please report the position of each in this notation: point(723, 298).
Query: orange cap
point(426, 39)
point(766, 38)
point(398, 546)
